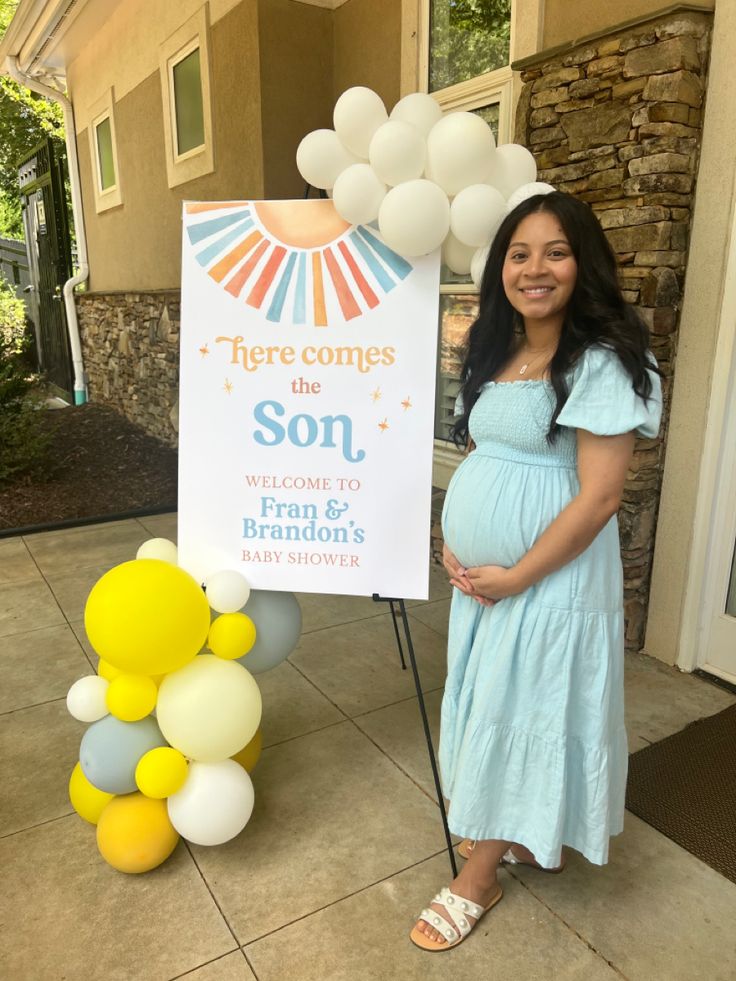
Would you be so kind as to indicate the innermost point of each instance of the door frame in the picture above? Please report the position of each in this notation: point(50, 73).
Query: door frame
point(704, 592)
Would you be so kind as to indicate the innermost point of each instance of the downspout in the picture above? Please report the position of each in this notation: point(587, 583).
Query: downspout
point(80, 387)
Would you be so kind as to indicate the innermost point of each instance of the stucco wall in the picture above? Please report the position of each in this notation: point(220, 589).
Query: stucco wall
point(138, 245)
point(565, 20)
point(695, 357)
point(296, 45)
point(367, 48)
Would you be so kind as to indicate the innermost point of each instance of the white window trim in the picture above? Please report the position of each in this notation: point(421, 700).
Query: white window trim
point(193, 33)
point(111, 197)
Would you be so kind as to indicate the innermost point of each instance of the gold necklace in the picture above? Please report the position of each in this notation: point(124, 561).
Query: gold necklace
point(531, 361)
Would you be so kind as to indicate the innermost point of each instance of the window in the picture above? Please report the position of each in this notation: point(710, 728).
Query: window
point(103, 153)
point(185, 89)
point(464, 64)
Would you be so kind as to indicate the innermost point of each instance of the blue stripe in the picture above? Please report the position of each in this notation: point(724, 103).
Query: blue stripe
point(399, 265)
point(300, 315)
point(206, 255)
point(385, 281)
point(204, 229)
point(277, 304)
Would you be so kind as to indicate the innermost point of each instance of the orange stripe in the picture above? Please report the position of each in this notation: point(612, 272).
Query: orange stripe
point(236, 283)
point(195, 208)
point(266, 278)
point(368, 295)
point(320, 314)
point(220, 270)
point(348, 305)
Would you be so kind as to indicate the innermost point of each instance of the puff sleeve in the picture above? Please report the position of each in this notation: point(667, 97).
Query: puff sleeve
point(602, 399)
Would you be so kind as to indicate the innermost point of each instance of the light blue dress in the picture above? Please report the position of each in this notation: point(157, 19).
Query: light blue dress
point(533, 746)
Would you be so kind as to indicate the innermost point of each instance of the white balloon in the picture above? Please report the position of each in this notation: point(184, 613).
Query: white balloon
point(85, 700)
point(321, 158)
point(227, 591)
point(358, 114)
point(215, 803)
point(358, 193)
point(478, 265)
point(459, 151)
point(511, 166)
point(418, 109)
point(158, 548)
point(456, 255)
point(414, 218)
point(397, 152)
point(527, 191)
point(475, 214)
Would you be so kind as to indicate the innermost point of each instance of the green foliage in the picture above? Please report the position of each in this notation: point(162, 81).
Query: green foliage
point(24, 438)
point(468, 38)
point(25, 120)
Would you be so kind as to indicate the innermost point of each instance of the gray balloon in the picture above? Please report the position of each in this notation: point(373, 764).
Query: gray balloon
point(278, 620)
point(111, 749)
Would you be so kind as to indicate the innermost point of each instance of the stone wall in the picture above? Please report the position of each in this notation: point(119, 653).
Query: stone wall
point(131, 356)
point(617, 122)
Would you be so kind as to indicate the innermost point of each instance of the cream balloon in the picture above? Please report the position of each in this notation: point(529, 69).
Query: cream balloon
point(158, 548)
point(358, 193)
point(358, 114)
point(456, 255)
point(414, 218)
point(511, 166)
point(215, 803)
point(418, 109)
point(527, 191)
point(475, 214)
point(209, 709)
point(85, 699)
point(478, 265)
point(227, 591)
point(321, 158)
point(397, 152)
point(459, 151)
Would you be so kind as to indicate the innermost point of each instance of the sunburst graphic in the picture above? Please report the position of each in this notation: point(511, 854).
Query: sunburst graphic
point(204, 350)
point(228, 386)
point(376, 395)
point(383, 426)
point(406, 404)
point(296, 261)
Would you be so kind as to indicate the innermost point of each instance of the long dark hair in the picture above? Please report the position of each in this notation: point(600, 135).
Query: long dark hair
point(597, 312)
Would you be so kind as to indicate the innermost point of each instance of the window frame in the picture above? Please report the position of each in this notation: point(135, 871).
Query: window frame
point(200, 160)
point(98, 112)
point(496, 87)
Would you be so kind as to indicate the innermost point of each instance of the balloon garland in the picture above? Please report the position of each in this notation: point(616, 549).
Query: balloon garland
point(174, 711)
point(427, 178)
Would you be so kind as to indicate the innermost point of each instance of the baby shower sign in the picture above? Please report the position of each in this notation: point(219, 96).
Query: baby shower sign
point(308, 364)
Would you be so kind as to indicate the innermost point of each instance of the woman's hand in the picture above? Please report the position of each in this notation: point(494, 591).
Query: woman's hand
point(492, 582)
point(458, 577)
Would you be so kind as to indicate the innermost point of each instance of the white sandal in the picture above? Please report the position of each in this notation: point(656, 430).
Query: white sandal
point(454, 925)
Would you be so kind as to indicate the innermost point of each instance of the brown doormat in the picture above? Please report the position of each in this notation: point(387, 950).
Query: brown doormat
point(685, 787)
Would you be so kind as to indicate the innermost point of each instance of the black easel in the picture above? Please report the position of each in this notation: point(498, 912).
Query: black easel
point(422, 707)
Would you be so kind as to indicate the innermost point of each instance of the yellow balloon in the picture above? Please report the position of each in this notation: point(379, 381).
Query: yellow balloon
point(250, 754)
point(87, 800)
point(131, 697)
point(134, 833)
point(231, 635)
point(105, 670)
point(147, 617)
point(161, 772)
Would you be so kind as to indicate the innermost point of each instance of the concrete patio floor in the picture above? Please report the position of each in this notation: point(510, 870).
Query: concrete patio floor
point(345, 843)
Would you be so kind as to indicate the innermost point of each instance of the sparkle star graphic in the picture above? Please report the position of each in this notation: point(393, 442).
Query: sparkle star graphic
point(228, 386)
point(383, 426)
point(204, 350)
point(376, 395)
point(407, 403)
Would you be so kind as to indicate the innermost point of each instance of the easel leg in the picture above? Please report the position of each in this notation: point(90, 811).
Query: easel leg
point(422, 710)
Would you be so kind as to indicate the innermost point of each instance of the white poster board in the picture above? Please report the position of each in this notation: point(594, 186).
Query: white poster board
point(306, 417)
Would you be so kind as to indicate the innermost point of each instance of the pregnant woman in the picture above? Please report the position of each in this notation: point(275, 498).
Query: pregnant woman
point(557, 383)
